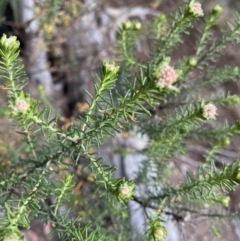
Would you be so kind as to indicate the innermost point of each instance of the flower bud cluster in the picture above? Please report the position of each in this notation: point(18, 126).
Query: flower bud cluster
point(224, 200)
point(109, 72)
point(196, 9)
point(110, 68)
point(209, 111)
point(156, 230)
point(167, 76)
point(217, 10)
point(192, 61)
point(131, 25)
point(21, 105)
point(126, 190)
point(9, 43)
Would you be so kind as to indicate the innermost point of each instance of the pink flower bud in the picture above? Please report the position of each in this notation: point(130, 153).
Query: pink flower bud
point(125, 189)
point(209, 111)
point(21, 105)
point(196, 9)
point(167, 76)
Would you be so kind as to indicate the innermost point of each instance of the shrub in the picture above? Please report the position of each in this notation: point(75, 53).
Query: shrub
point(158, 98)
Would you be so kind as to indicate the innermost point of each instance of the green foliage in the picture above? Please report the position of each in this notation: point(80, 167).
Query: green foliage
point(208, 185)
point(28, 189)
point(128, 33)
